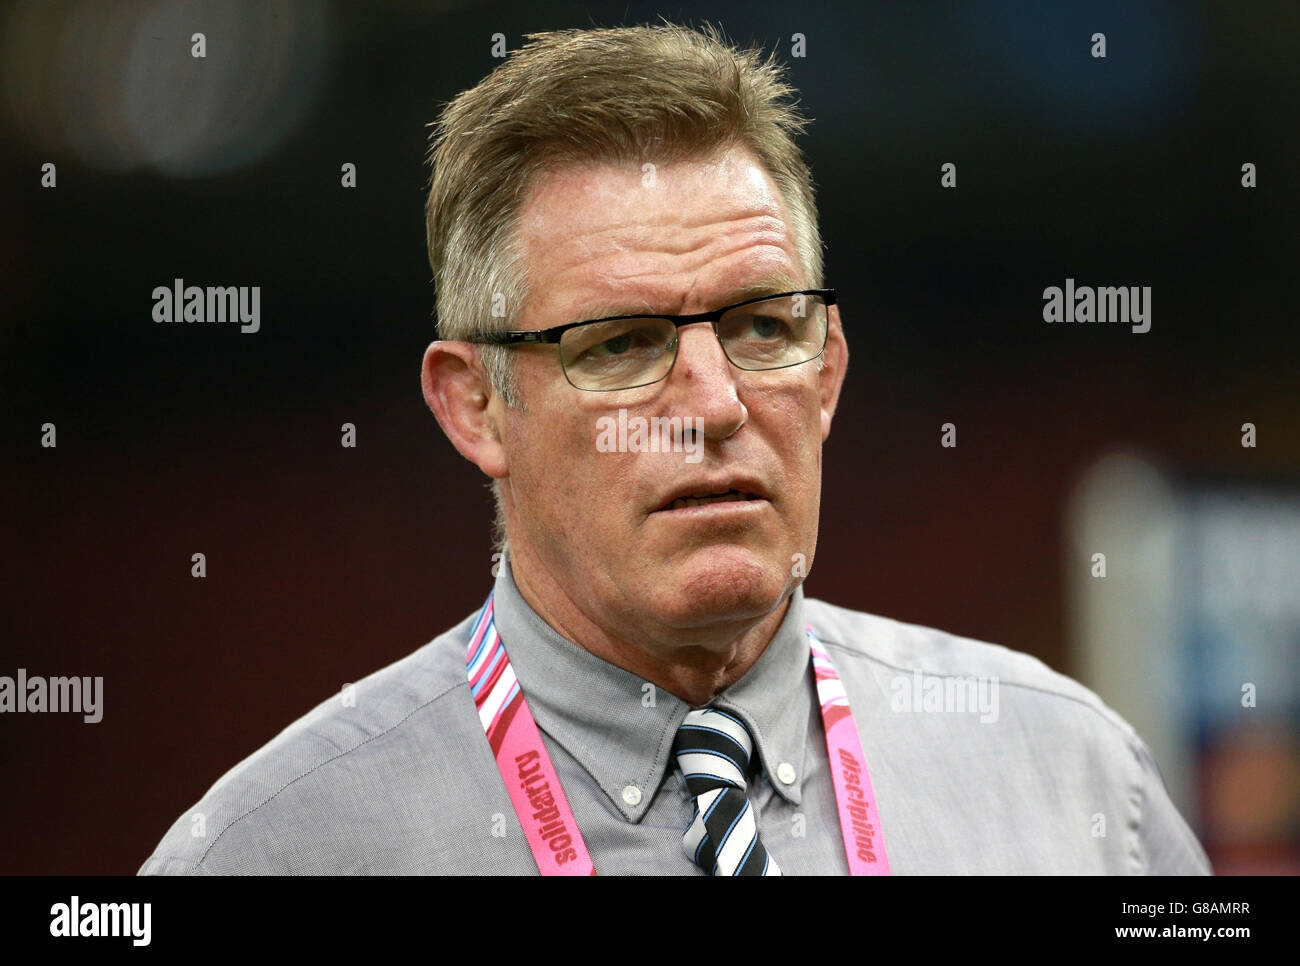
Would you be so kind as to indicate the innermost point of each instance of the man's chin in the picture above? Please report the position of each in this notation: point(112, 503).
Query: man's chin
point(719, 586)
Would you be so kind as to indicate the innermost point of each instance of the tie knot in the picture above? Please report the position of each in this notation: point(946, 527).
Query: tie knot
point(713, 749)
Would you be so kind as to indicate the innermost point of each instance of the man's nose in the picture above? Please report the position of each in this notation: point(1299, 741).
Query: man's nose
point(705, 382)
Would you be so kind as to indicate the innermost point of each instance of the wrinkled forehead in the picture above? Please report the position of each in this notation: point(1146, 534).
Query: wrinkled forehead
point(616, 238)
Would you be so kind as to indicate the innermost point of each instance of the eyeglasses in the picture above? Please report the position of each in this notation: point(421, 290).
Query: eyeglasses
point(630, 351)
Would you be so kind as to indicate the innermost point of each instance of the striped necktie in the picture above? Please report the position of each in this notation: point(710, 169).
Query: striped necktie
point(713, 750)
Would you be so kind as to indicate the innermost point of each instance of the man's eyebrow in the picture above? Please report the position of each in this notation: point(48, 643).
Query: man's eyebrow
point(769, 285)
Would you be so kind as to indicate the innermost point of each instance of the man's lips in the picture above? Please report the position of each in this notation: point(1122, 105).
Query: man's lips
point(710, 492)
point(730, 496)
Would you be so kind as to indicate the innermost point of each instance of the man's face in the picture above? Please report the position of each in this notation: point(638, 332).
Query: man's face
point(606, 240)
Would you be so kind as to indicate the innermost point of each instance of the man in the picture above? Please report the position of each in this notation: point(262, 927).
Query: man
point(638, 350)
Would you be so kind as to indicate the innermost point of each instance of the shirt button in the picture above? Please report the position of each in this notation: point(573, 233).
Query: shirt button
point(632, 795)
point(785, 771)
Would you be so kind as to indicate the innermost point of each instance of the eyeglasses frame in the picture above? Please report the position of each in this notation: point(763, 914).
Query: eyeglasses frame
point(552, 335)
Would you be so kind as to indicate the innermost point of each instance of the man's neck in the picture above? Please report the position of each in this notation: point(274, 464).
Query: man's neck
point(695, 671)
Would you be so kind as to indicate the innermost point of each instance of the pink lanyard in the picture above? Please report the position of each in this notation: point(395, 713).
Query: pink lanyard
point(544, 812)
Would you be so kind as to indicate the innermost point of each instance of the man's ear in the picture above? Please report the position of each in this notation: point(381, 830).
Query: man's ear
point(458, 391)
point(831, 377)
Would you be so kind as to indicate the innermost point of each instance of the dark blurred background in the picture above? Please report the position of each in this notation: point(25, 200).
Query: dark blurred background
point(325, 563)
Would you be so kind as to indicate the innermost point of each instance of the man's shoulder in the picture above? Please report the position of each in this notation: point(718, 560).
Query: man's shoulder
point(901, 655)
point(312, 770)
point(1003, 719)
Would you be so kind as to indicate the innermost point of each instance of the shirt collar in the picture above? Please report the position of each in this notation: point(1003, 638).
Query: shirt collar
point(620, 728)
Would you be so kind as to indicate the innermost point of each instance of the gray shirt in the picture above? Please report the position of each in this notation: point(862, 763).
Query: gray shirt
point(983, 760)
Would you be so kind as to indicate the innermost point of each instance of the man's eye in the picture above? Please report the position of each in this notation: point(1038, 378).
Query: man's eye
point(766, 327)
point(615, 346)
point(639, 341)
